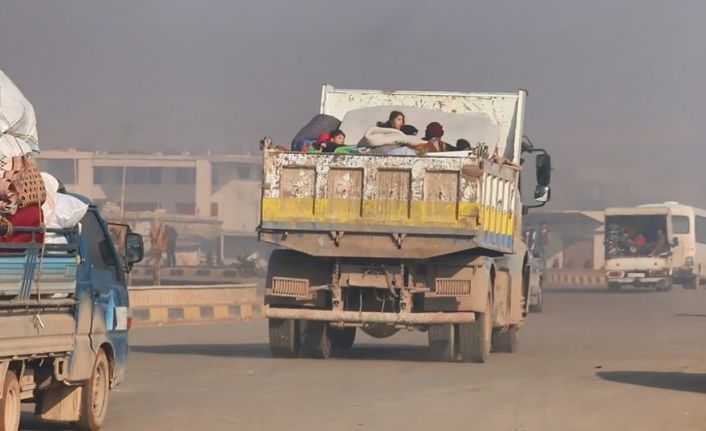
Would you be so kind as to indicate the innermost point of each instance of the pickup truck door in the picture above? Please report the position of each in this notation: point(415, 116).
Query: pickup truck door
point(108, 288)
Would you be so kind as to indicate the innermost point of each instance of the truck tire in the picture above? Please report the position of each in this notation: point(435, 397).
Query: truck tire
point(506, 340)
point(539, 306)
point(10, 403)
point(94, 395)
point(694, 282)
point(664, 286)
point(614, 287)
point(284, 338)
point(442, 343)
point(316, 341)
point(342, 338)
point(474, 338)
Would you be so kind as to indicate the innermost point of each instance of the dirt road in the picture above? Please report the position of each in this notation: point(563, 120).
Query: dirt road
point(592, 361)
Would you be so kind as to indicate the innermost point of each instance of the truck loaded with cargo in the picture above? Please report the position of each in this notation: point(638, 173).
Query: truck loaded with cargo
point(63, 293)
point(397, 231)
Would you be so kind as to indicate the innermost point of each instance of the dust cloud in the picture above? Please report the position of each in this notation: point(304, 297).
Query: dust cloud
point(616, 88)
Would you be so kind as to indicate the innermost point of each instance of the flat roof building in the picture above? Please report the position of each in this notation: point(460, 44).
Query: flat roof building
point(220, 187)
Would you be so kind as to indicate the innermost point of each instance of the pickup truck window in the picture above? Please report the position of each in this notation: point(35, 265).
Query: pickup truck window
point(99, 251)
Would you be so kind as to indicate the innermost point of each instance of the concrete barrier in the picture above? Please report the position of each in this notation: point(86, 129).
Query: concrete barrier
point(156, 305)
point(575, 277)
point(190, 275)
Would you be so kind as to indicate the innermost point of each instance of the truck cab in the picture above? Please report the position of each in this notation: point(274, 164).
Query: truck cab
point(64, 310)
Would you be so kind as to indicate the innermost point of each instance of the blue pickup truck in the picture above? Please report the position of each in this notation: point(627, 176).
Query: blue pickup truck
point(65, 319)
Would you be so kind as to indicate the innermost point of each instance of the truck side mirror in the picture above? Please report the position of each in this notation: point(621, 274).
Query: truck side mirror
point(544, 169)
point(675, 242)
point(542, 193)
point(134, 248)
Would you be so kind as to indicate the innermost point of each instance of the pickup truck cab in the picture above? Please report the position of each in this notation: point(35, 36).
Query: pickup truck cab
point(65, 321)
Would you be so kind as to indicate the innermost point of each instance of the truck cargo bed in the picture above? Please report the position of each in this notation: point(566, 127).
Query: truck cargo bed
point(410, 206)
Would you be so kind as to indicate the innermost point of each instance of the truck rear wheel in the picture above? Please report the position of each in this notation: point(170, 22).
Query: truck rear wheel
point(94, 395)
point(537, 308)
point(474, 338)
point(342, 338)
point(284, 338)
point(506, 340)
point(694, 282)
point(442, 343)
point(316, 340)
point(10, 403)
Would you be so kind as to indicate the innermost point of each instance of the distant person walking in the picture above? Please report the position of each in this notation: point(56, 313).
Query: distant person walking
point(158, 240)
point(171, 236)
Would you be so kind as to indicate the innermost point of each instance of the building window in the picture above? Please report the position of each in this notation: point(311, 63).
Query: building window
point(63, 169)
point(154, 175)
point(141, 206)
point(135, 175)
point(107, 175)
point(215, 175)
point(186, 176)
point(214, 209)
point(185, 208)
point(243, 172)
point(701, 230)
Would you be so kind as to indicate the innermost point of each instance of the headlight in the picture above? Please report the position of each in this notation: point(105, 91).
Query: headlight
point(689, 261)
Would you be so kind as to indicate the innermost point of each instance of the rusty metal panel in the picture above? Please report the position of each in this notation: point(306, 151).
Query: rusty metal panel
point(291, 287)
point(343, 196)
point(22, 335)
point(452, 287)
point(441, 192)
point(297, 191)
point(393, 189)
point(445, 197)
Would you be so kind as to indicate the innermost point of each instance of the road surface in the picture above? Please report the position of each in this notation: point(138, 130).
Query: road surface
point(593, 360)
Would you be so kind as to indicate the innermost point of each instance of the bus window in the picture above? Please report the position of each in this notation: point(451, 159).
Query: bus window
point(680, 225)
point(701, 230)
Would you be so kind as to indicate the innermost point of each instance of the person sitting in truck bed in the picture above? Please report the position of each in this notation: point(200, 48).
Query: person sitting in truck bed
point(336, 140)
point(396, 120)
point(432, 136)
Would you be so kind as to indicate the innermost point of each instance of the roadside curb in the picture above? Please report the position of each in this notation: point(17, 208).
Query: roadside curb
point(151, 316)
point(167, 305)
point(582, 278)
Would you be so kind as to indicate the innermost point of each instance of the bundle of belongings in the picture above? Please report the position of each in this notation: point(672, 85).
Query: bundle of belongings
point(444, 134)
point(25, 200)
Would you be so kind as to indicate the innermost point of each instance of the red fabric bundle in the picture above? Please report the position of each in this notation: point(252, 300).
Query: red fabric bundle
point(29, 216)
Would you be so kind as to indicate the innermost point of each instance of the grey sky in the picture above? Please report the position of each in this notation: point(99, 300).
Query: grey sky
point(616, 88)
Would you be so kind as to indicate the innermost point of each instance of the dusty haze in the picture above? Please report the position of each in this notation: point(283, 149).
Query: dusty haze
point(616, 91)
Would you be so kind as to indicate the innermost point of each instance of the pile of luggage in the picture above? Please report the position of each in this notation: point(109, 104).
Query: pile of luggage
point(28, 197)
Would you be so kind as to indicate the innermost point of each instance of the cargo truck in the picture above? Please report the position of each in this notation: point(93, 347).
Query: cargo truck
point(65, 319)
point(379, 243)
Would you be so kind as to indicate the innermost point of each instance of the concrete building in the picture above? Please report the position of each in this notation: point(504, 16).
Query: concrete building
point(576, 238)
point(216, 187)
